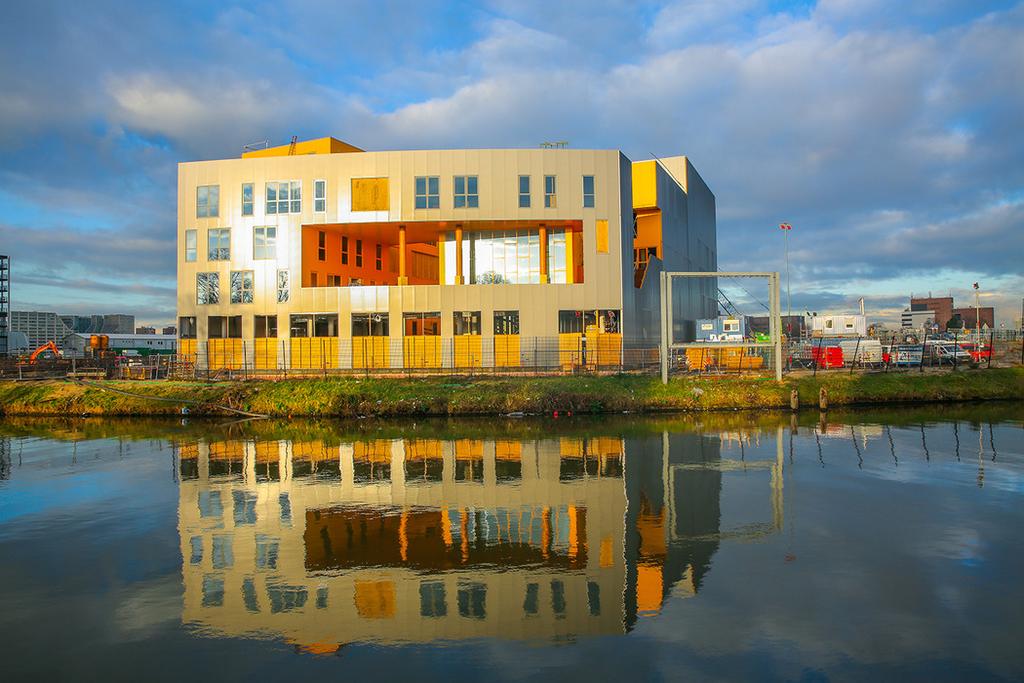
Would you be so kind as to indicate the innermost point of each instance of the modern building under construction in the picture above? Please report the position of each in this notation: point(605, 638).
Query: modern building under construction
point(320, 255)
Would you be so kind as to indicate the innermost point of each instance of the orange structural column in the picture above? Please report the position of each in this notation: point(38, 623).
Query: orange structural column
point(543, 253)
point(458, 255)
point(402, 278)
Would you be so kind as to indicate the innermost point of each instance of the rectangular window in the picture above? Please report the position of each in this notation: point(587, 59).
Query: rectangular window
point(282, 286)
point(472, 599)
point(187, 327)
point(466, 196)
point(359, 253)
point(298, 325)
point(247, 199)
point(207, 288)
point(380, 257)
point(601, 226)
point(284, 197)
point(422, 324)
point(241, 287)
point(432, 599)
point(265, 326)
point(321, 246)
point(524, 192)
point(218, 242)
point(506, 322)
point(325, 325)
point(466, 322)
point(224, 327)
point(370, 325)
point(428, 192)
point(588, 192)
point(344, 250)
point(313, 280)
point(191, 242)
point(319, 196)
point(207, 201)
point(550, 192)
point(264, 242)
point(333, 280)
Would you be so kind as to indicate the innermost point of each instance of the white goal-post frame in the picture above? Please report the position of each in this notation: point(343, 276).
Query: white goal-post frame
point(774, 317)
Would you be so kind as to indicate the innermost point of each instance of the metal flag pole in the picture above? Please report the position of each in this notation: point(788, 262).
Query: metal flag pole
point(786, 228)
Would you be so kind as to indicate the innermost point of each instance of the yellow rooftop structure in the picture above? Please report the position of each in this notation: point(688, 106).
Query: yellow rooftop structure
point(328, 145)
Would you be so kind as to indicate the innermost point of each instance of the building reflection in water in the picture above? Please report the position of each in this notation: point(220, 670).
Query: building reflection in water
point(424, 540)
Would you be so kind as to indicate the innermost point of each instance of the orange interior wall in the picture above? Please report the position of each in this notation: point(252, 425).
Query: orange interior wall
point(368, 273)
point(648, 232)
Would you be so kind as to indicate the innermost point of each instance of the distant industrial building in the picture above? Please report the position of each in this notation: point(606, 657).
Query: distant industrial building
point(39, 327)
point(969, 316)
point(5, 303)
point(76, 343)
point(941, 308)
point(145, 329)
point(170, 329)
point(917, 320)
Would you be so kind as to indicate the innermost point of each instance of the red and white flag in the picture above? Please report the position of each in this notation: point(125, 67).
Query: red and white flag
point(785, 226)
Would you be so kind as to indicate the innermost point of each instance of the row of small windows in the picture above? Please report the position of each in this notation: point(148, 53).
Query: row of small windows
point(241, 287)
point(218, 243)
point(471, 599)
point(285, 197)
point(378, 324)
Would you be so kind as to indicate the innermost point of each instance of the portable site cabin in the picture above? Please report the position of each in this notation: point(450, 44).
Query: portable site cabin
point(721, 329)
point(839, 326)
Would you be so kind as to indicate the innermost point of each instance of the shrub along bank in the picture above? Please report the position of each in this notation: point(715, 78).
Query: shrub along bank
point(353, 397)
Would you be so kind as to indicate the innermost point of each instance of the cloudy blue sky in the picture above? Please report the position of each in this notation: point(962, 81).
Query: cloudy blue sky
point(888, 133)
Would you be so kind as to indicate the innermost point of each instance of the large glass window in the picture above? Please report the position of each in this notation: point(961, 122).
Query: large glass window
point(558, 268)
point(422, 324)
point(466, 195)
point(428, 192)
point(218, 243)
point(207, 288)
point(247, 199)
point(502, 257)
point(241, 287)
point(284, 197)
point(524, 192)
point(282, 286)
point(588, 192)
point(319, 196)
point(265, 326)
point(191, 245)
point(506, 322)
point(321, 246)
point(207, 201)
point(577, 322)
point(466, 322)
point(370, 325)
point(550, 192)
point(264, 242)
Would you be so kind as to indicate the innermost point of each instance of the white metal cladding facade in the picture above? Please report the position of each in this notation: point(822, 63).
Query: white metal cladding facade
point(607, 268)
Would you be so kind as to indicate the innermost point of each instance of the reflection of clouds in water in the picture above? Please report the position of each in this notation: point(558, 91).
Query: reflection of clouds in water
point(147, 608)
point(963, 544)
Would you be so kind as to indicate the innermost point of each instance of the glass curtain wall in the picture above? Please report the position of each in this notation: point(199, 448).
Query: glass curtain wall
point(497, 257)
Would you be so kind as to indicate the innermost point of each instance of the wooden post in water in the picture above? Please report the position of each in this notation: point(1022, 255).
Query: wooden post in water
point(823, 399)
point(794, 399)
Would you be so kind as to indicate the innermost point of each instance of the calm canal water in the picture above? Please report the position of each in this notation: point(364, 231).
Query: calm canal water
point(883, 545)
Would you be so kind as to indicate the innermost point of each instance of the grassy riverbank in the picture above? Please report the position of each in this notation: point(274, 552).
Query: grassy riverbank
point(351, 397)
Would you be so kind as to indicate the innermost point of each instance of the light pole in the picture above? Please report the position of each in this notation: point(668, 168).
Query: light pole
point(977, 313)
point(786, 228)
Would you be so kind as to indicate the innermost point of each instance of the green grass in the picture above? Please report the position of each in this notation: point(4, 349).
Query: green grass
point(381, 397)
